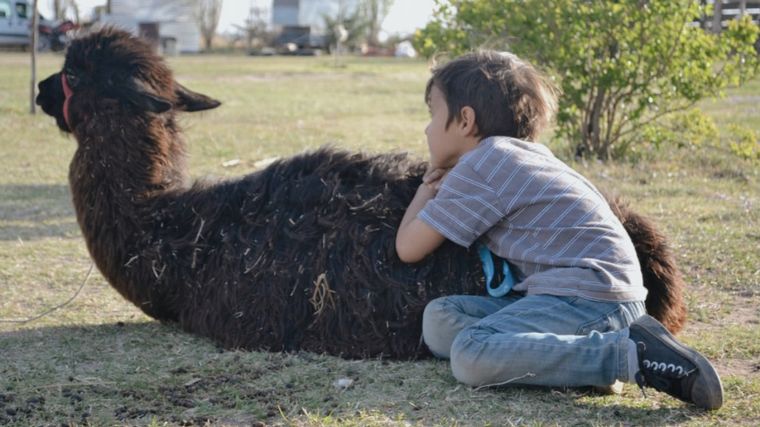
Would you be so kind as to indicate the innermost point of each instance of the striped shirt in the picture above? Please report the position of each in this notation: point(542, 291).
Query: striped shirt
point(553, 226)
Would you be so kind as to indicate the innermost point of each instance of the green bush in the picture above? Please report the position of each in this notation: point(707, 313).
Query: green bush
point(744, 142)
point(683, 129)
point(623, 66)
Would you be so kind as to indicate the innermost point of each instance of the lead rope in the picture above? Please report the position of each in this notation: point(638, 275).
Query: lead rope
point(52, 309)
point(67, 92)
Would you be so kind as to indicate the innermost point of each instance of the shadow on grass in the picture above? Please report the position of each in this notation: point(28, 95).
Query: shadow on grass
point(36, 211)
point(137, 373)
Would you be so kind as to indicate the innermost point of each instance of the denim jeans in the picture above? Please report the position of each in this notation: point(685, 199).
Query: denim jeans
point(541, 340)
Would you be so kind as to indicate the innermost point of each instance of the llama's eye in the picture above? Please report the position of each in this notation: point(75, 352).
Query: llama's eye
point(72, 80)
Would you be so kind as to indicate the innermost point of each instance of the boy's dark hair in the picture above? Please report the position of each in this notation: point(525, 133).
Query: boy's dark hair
point(509, 96)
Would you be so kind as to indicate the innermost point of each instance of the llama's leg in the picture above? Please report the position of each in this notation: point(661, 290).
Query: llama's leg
point(547, 340)
point(445, 317)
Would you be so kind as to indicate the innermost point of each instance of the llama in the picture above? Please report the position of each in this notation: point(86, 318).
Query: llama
point(297, 256)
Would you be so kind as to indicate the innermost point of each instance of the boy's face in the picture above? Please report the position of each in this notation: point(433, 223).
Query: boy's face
point(445, 145)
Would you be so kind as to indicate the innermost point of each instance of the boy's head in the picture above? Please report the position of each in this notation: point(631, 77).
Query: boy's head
point(509, 96)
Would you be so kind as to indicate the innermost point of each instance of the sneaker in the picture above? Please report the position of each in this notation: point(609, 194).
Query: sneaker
point(671, 367)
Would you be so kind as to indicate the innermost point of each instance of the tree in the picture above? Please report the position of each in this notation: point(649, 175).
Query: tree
point(58, 11)
point(61, 7)
point(375, 11)
point(624, 67)
point(255, 30)
point(207, 17)
point(348, 27)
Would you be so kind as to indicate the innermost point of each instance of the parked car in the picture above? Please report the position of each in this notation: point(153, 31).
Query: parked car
point(15, 24)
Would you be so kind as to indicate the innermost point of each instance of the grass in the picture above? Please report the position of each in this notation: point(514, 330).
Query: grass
point(100, 361)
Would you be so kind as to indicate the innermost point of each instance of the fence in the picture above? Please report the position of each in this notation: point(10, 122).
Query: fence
point(724, 11)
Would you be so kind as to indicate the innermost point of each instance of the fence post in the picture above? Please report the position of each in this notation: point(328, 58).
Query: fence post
point(35, 31)
point(717, 16)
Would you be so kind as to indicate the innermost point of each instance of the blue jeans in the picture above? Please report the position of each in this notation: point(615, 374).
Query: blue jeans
point(541, 340)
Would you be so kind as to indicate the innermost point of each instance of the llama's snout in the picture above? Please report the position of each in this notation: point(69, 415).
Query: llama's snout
point(51, 98)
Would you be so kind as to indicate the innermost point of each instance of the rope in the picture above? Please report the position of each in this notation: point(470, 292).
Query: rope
point(52, 309)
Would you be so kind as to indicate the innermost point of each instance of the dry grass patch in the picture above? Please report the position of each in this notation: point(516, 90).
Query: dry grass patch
point(99, 361)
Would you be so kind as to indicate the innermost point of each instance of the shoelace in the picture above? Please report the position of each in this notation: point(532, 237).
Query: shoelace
point(670, 370)
point(667, 369)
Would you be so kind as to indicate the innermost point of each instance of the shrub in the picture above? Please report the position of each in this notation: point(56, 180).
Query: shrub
point(622, 65)
point(744, 142)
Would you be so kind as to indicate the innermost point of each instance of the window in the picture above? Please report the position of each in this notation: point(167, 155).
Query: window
point(21, 10)
point(5, 9)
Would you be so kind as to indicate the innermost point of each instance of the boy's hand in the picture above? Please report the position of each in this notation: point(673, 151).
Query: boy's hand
point(415, 239)
point(434, 177)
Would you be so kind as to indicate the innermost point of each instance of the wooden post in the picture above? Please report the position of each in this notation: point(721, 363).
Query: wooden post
point(717, 16)
point(341, 35)
point(35, 32)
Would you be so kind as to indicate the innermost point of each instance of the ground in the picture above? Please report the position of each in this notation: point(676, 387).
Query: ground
point(99, 361)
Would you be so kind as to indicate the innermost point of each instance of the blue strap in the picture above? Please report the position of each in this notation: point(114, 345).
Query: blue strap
point(488, 269)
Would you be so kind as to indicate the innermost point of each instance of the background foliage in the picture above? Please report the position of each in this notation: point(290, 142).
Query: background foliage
point(623, 66)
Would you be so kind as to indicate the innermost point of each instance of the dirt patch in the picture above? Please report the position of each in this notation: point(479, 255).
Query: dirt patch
point(195, 393)
point(743, 309)
point(744, 312)
point(751, 100)
point(738, 367)
point(12, 409)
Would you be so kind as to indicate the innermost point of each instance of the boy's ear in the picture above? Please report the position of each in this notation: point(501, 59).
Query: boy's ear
point(467, 125)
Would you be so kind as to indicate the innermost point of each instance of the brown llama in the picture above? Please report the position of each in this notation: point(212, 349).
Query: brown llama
point(299, 255)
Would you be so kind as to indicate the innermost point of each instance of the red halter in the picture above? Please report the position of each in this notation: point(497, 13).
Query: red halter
point(67, 92)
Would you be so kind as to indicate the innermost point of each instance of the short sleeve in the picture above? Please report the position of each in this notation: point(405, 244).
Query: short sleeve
point(465, 208)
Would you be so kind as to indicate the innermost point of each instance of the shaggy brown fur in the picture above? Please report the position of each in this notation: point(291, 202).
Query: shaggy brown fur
point(661, 275)
point(297, 256)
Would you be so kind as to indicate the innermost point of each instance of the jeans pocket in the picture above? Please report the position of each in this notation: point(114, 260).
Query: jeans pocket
point(611, 321)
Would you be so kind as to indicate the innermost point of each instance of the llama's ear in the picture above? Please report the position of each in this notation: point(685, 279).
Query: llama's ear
point(138, 96)
point(187, 100)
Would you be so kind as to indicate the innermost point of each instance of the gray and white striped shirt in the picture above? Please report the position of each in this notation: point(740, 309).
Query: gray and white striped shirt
point(553, 226)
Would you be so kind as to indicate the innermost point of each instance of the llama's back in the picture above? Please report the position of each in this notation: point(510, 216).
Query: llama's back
point(302, 256)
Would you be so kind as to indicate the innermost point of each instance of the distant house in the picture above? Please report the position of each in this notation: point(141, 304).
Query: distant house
point(169, 25)
point(302, 21)
point(285, 12)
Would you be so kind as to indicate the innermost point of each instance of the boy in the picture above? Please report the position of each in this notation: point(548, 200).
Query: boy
point(576, 315)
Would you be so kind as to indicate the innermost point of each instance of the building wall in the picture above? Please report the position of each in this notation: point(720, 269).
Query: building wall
point(175, 19)
point(308, 13)
point(285, 12)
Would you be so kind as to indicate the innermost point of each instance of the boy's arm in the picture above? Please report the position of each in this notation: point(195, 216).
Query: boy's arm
point(415, 239)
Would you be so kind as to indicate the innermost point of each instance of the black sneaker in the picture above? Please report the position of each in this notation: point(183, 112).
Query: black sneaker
point(669, 366)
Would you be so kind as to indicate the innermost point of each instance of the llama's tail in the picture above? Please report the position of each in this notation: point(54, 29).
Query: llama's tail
point(662, 278)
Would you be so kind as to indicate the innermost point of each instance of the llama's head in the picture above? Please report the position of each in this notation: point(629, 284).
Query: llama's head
point(111, 70)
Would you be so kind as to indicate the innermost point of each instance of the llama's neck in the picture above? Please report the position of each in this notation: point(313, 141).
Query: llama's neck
point(114, 176)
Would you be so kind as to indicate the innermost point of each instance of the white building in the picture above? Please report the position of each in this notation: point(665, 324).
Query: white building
point(171, 24)
point(308, 13)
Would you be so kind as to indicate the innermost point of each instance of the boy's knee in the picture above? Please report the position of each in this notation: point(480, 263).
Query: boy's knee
point(435, 309)
point(434, 330)
point(464, 364)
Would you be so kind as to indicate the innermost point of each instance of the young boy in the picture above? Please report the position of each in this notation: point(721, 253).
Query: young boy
point(576, 315)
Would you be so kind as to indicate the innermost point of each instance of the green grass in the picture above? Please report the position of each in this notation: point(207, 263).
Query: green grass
point(100, 361)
